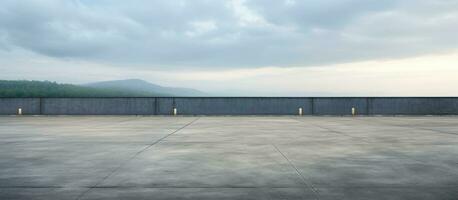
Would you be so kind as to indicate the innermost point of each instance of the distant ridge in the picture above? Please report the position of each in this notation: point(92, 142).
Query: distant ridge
point(120, 88)
point(25, 88)
point(141, 86)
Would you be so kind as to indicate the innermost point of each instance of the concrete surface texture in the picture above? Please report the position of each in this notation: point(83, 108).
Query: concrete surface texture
point(128, 157)
point(232, 106)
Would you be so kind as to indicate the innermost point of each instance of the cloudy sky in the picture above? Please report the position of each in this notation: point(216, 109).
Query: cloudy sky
point(238, 47)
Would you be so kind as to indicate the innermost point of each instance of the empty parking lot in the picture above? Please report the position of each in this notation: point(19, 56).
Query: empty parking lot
point(286, 157)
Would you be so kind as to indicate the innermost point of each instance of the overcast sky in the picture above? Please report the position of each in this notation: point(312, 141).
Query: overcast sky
point(238, 47)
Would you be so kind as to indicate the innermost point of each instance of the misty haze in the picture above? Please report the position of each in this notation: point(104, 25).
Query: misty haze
point(229, 99)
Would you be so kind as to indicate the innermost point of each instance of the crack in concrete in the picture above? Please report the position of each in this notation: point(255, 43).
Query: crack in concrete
point(304, 180)
point(134, 156)
point(334, 131)
point(410, 127)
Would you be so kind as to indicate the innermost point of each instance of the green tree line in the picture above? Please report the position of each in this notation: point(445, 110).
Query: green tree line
point(52, 89)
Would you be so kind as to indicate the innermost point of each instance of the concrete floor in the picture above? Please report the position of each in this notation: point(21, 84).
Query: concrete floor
point(130, 157)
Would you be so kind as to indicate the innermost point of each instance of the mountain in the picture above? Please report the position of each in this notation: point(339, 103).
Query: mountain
point(23, 88)
point(138, 85)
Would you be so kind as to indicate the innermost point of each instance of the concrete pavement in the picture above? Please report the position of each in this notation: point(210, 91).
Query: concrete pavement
point(286, 157)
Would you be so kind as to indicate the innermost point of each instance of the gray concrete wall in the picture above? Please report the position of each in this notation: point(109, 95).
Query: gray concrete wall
point(413, 106)
point(231, 106)
point(242, 106)
point(98, 106)
point(164, 105)
point(339, 106)
point(29, 106)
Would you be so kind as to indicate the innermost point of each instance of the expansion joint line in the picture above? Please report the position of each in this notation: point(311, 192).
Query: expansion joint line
point(334, 131)
point(417, 128)
point(341, 133)
point(118, 123)
point(134, 156)
point(304, 180)
point(438, 131)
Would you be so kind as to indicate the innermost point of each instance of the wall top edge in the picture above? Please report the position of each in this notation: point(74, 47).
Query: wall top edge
point(231, 97)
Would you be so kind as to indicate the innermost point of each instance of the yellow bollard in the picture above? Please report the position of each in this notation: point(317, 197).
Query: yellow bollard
point(353, 111)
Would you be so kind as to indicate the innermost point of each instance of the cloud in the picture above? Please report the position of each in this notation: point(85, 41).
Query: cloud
point(220, 34)
point(200, 28)
point(433, 75)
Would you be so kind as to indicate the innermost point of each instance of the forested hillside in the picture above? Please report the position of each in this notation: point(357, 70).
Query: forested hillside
point(53, 89)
